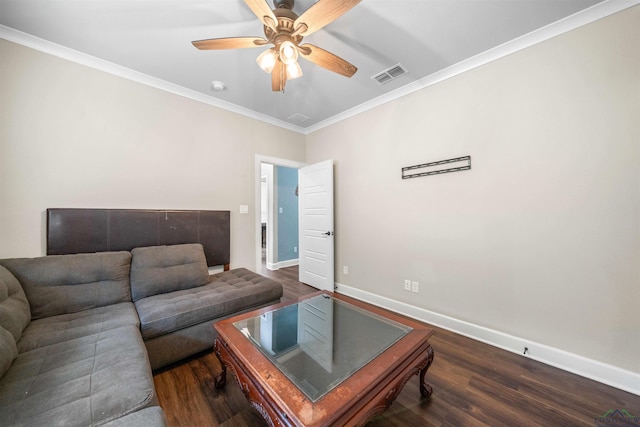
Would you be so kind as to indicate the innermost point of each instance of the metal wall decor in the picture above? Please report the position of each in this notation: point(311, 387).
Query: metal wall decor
point(436, 168)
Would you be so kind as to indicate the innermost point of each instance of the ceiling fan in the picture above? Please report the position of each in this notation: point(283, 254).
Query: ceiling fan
point(285, 30)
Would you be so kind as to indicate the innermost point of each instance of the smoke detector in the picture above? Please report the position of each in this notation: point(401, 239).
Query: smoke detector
point(218, 86)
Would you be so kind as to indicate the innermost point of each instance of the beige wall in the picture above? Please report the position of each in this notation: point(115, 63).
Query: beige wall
point(71, 136)
point(541, 239)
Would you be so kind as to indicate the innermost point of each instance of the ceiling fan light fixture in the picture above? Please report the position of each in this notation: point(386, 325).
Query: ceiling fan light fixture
point(267, 60)
point(293, 71)
point(288, 52)
point(284, 30)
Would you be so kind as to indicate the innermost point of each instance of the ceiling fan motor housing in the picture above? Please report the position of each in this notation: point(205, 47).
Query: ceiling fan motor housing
point(286, 18)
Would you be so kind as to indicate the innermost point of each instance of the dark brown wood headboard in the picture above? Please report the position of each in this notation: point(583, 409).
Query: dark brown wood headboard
point(71, 231)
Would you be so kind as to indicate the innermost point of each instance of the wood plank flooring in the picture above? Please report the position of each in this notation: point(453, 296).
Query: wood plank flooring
point(474, 384)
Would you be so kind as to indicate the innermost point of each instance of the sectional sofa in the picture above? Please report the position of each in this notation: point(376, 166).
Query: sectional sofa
point(80, 334)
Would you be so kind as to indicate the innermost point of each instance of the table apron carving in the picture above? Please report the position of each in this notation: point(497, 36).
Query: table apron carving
point(375, 405)
point(252, 391)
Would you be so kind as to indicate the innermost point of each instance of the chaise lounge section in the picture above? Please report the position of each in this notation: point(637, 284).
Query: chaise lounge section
point(178, 301)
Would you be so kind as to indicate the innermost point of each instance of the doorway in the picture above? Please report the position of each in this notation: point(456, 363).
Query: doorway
point(277, 221)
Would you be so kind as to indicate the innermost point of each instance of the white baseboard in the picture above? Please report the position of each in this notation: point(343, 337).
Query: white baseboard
point(574, 363)
point(282, 264)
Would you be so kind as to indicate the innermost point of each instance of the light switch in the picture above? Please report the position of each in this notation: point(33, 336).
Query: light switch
point(244, 209)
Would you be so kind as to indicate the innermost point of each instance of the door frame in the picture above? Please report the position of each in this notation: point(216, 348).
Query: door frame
point(271, 218)
point(275, 161)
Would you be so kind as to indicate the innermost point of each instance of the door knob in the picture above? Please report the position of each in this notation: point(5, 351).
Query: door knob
point(328, 233)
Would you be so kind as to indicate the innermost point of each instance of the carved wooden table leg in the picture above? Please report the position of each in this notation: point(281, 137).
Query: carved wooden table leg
point(426, 389)
point(220, 379)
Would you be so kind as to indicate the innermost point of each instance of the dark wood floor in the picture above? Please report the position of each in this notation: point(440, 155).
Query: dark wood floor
point(474, 385)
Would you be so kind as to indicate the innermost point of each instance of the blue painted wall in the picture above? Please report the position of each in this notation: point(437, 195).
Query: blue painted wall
point(286, 183)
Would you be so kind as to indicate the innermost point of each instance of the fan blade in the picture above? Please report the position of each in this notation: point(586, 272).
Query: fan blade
point(278, 77)
point(229, 43)
point(264, 13)
point(327, 60)
point(320, 14)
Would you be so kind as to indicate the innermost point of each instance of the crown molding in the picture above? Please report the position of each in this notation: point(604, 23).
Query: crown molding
point(75, 56)
point(577, 20)
point(587, 16)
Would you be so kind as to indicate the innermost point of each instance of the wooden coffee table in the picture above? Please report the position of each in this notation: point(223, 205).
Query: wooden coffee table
point(323, 360)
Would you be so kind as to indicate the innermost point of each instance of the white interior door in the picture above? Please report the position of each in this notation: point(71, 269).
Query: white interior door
point(315, 189)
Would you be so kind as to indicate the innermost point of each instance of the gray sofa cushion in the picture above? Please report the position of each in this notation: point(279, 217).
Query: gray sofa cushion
point(15, 313)
point(230, 292)
point(161, 269)
point(8, 350)
point(86, 381)
point(61, 284)
point(65, 327)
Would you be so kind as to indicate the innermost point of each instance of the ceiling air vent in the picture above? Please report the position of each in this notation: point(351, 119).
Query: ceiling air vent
point(298, 118)
point(390, 74)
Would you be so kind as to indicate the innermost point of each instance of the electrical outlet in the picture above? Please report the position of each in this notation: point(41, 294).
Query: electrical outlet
point(345, 269)
point(407, 285)
point(295, 249)
point(415, 287)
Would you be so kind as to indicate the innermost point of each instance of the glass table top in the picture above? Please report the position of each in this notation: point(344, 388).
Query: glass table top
point(319, 342)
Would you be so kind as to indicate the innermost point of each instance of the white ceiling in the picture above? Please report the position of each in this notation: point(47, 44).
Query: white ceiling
point(153, 38)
